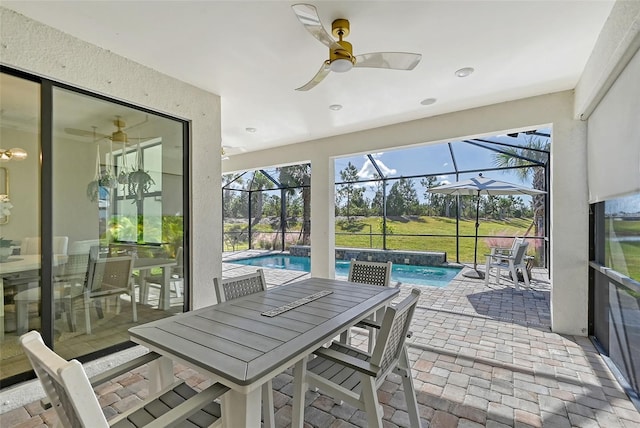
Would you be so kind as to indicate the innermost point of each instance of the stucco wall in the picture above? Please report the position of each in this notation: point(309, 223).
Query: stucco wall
point(36, 48)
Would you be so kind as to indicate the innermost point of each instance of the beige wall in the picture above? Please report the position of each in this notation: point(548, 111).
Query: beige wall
point(42, 50)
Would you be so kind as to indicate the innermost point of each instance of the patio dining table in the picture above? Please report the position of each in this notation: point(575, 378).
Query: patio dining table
point(245, 342)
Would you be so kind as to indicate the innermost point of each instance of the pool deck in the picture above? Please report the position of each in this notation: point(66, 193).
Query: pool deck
point(481, 356)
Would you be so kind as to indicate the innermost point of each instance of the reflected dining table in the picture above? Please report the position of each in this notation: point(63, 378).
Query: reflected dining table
point(245, 342)
point(17, 264)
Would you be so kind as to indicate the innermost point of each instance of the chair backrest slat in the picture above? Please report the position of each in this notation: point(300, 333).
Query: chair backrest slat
point(520, 252)
point(374, 273)
point(393, 333)
point(232, 288)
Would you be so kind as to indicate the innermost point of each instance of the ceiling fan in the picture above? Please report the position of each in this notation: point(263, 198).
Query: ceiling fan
point(117, 136)
point(341, 58)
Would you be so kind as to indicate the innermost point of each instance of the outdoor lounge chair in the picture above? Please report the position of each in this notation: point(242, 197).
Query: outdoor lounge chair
point(511, 262)
point(373, 273)
point(349, 374)
point(70, 392)
point(239, 286)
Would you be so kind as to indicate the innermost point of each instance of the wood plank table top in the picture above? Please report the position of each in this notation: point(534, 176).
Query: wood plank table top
point(243, 348)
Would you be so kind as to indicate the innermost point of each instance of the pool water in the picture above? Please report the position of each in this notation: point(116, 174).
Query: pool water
point(406, 274)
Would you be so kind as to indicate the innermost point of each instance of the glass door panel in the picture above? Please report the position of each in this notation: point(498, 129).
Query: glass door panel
point(118, 198)
point(20, 249)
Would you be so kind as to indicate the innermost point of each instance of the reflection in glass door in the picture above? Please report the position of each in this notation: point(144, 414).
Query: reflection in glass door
point(118, 199)
point(20, 230)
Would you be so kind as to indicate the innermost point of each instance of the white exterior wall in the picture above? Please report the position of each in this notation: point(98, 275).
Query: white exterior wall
point(38, 49)
point(569, 212)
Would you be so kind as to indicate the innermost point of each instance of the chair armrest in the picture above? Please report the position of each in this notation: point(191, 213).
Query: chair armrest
point(181, 412)
point(105, 376)
point(348, 361)
point(122, 369)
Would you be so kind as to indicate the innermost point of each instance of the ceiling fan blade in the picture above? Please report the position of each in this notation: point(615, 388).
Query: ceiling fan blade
point(85, 133)
point(320, 75)
point(392, 60)
point(232, 150)
point(308, 16)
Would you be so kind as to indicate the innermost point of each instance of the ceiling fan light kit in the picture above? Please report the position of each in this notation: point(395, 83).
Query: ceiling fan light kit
point(341, 58)
point(13, 154)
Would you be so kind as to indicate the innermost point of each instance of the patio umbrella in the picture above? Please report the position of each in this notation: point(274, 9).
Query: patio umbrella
point(478, 186)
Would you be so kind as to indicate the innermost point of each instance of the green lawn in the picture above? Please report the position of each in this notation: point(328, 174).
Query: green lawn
point(356, 234)
point(624, 256)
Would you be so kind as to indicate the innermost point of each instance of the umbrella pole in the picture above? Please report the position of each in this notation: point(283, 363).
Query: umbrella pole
point(475, 251)
point(475, 273)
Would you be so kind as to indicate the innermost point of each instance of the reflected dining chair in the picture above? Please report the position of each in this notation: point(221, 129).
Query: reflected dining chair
point(347, 373)
point(234, 288)
point(372, 273)
point(106, 277)
point(512, 261)
point(71, 395)
point(176, 278)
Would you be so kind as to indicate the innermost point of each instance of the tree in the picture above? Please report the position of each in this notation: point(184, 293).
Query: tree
point(258, 183)
point(403, 198)
point(533, 150)
point(378, 188)
point(351, 192)
point(294, 176)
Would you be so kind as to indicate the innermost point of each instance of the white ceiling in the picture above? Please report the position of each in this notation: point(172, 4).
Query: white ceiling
point(254, 54)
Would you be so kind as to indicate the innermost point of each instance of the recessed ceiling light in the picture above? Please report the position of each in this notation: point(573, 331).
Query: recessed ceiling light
point(251, 130)
point(428, 101)
point(464, 72)
point(335, 107)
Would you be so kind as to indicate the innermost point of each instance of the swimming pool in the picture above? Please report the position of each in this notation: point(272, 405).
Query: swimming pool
point(406, 274)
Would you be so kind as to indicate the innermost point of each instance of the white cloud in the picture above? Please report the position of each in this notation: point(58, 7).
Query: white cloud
point(368, 171)
point(443, 179)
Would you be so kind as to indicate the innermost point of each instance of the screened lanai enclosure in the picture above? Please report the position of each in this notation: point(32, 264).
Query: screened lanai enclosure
point(382, 200)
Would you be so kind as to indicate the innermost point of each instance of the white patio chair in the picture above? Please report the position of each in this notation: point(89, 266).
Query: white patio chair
point(507, 251)
point(349, 374)
point(373, 273)
point(70, 392)
point(511, 262)
point(233, 288)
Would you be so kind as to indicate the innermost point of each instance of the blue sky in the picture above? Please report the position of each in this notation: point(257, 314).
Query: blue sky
point(435, 159)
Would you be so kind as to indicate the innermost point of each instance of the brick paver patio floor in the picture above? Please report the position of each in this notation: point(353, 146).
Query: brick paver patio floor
point(481, 356)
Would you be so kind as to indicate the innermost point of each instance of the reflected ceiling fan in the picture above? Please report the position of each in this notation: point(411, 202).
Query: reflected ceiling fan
point(226, 151)
point(117, 136)
point(341, 58)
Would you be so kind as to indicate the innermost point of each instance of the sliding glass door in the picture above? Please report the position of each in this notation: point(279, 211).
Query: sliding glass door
point(98, 204)
point(20, 221)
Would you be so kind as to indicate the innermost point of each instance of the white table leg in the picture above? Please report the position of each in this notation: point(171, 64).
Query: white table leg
point(241, 410)
point(144, 286)
point(165, 293)
point(2, 309)
point(160, 374)
point(267, 405)
point(22, 315)
point(300, 387)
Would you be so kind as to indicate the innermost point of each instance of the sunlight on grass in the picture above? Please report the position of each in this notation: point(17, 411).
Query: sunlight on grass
point(403, 234)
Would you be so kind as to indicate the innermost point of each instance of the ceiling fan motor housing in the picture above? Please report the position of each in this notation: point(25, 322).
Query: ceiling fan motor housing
point(340, 28)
